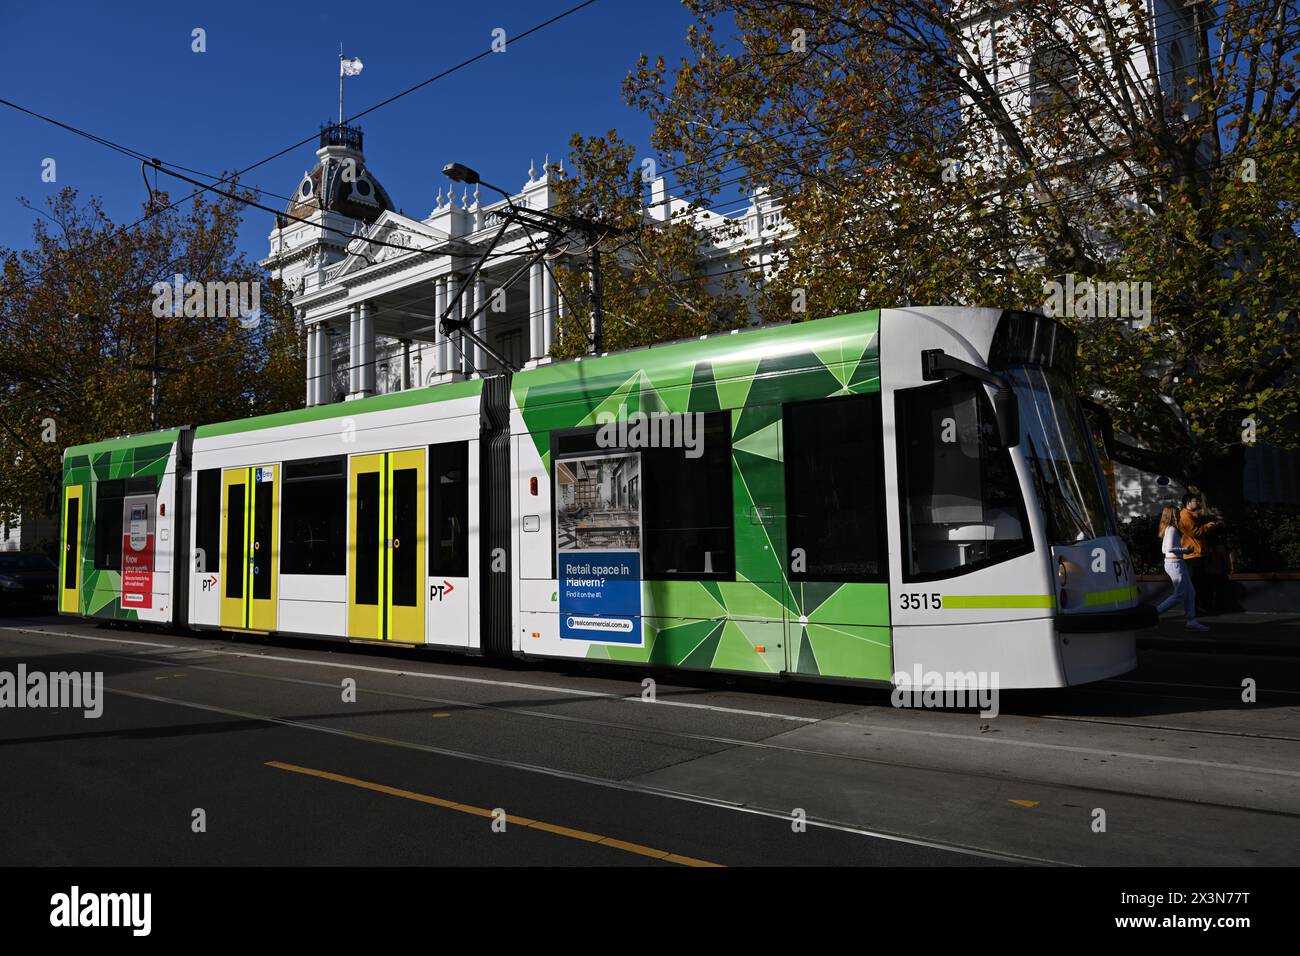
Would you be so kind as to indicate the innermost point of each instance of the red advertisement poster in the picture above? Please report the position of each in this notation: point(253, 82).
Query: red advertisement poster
point(137, 555)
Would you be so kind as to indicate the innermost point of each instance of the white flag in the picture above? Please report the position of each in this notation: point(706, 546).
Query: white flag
point(350, 67)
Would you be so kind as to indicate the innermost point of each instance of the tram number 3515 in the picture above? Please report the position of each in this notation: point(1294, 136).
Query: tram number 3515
point(920, 602)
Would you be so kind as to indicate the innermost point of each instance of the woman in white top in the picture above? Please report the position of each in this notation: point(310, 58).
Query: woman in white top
point(1171, 546)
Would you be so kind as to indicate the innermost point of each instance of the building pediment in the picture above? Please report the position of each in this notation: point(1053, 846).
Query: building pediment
point(390, 237)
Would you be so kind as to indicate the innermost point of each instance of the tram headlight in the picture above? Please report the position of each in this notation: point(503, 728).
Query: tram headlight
point(1062, 572)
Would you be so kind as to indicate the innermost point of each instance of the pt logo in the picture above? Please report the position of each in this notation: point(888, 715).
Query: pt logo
point(438, 590)
point(209, 583)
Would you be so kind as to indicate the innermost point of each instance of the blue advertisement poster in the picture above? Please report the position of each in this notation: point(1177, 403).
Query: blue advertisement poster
point(598, 548)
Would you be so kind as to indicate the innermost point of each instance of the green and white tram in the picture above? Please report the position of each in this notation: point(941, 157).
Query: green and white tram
point(892, 491)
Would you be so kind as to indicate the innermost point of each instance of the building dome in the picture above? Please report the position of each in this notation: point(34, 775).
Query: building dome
point(340, 181)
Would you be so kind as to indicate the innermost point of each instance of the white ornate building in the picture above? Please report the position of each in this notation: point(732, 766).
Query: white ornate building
point(370, 283)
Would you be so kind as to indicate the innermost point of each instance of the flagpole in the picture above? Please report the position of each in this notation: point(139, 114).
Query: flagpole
point(340, 84)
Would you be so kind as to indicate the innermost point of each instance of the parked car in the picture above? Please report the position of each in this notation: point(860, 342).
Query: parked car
point(27, 581)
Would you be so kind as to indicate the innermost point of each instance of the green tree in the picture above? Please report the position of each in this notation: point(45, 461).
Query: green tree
point(66, 380)
point(655, 284)
point(925, 154)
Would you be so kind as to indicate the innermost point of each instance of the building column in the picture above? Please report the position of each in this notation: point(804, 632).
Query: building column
point(460, 355)
point(313, 364)
point(536, 310)
point(417, 367)
point(324, 365)
point(325, 362)
point(480, 324)
point(406, 364)
point(366, 327)
point(317, 363)
point(549, 302)
point(354, 351)
point(440, 345)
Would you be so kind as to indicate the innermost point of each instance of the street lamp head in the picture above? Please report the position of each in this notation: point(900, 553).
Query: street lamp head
point(460, 174)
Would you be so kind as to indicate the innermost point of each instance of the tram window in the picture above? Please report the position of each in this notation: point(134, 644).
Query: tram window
point(688, 529)
point(687, 517)
point(71, 531)
point(263, 513)
point(235, 539)
point(313, 517)
point(449, 509)
point(406, 590)
point(368, 540)
point(835, 488)
point(207, 519)
point(108, 524)
point(961, 506)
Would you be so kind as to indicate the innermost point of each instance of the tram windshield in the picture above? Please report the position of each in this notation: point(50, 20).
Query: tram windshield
point(1062, 456)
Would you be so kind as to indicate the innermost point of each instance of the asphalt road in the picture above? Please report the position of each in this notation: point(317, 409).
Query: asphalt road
point(449, 760)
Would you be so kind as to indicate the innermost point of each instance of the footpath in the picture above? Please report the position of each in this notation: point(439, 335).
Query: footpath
point(1245, 632)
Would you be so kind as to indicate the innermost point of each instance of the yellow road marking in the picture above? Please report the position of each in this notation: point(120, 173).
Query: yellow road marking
point(1024, 803)
point(440, 714)
point(481, 812)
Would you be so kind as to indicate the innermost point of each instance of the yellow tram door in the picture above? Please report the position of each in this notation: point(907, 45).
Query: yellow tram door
point(386, 538)
point(70, 568)
point(250, 547)
point(405, 573)
point(365, 549)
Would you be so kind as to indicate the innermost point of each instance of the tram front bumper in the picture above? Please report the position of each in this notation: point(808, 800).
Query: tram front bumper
point(1103, 643)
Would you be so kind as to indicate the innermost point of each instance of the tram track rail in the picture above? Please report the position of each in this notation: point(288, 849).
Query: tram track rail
point(722, 741)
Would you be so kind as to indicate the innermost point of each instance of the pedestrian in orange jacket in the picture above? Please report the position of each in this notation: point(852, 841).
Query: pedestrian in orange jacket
point(1193, 528)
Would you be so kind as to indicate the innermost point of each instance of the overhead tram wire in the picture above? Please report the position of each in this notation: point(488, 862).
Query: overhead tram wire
point(411, 252)
point(1017, 86)
point(135, 154)
point(882, 242)
point(694, 203)
point(416, 251)
point(748, 174)
point(239, 172)
point(990, 216)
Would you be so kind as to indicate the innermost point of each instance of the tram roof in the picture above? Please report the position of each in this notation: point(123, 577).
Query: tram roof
point(734, 354)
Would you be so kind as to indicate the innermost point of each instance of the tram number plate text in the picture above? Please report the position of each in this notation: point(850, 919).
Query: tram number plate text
point(921, 602)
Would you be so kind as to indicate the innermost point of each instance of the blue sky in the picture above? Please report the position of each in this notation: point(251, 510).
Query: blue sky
point(269, 78)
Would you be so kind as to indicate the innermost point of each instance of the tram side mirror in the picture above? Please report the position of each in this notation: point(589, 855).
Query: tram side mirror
point(1007, 412)
point(935, 364)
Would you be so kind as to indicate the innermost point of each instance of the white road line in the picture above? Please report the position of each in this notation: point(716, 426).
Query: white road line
point(86, 637)
point(595, 781)
point(457, 678)
point(983, 739)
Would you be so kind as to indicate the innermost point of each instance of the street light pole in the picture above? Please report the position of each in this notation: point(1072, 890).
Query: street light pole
point(153, 397)
point(557, 226)
point(597, 305)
